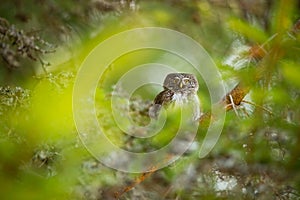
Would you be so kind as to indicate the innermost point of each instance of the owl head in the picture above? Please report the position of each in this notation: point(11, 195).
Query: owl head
point(181, 82)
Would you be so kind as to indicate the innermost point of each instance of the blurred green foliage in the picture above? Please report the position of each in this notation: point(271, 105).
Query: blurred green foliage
point(41, 156)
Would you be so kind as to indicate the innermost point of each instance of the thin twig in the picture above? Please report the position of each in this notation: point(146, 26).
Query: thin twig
point(261, 107)
point(233, 106)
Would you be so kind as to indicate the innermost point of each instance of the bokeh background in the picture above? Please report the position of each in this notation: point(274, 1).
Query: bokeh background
point(43, 43)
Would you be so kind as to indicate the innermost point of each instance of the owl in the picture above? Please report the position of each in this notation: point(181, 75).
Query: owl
point(179, 88)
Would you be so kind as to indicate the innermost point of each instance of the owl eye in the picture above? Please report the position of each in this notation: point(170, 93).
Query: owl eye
point(176, 80)
point(186, 81)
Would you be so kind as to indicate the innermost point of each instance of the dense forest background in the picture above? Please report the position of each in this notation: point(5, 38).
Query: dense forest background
point(255, 44)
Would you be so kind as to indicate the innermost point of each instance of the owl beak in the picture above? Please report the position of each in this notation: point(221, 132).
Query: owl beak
point(181, 84)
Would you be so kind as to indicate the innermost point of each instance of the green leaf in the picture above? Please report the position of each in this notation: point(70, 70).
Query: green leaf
point(251, 32)
point(291, 72)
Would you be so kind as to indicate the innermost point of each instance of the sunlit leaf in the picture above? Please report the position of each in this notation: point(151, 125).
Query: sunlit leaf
point(251, 32)
point(291, 72)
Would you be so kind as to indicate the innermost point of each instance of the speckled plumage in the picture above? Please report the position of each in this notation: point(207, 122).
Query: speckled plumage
point(179, 88)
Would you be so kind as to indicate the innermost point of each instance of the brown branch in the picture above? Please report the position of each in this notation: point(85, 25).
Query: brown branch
point(137, 181)
point(237, 93)
point(235, 96)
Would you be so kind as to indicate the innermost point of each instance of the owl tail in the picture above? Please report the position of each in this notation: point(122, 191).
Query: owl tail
point(154, 111)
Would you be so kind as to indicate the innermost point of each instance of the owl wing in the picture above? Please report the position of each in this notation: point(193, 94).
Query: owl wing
point(163, 98)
